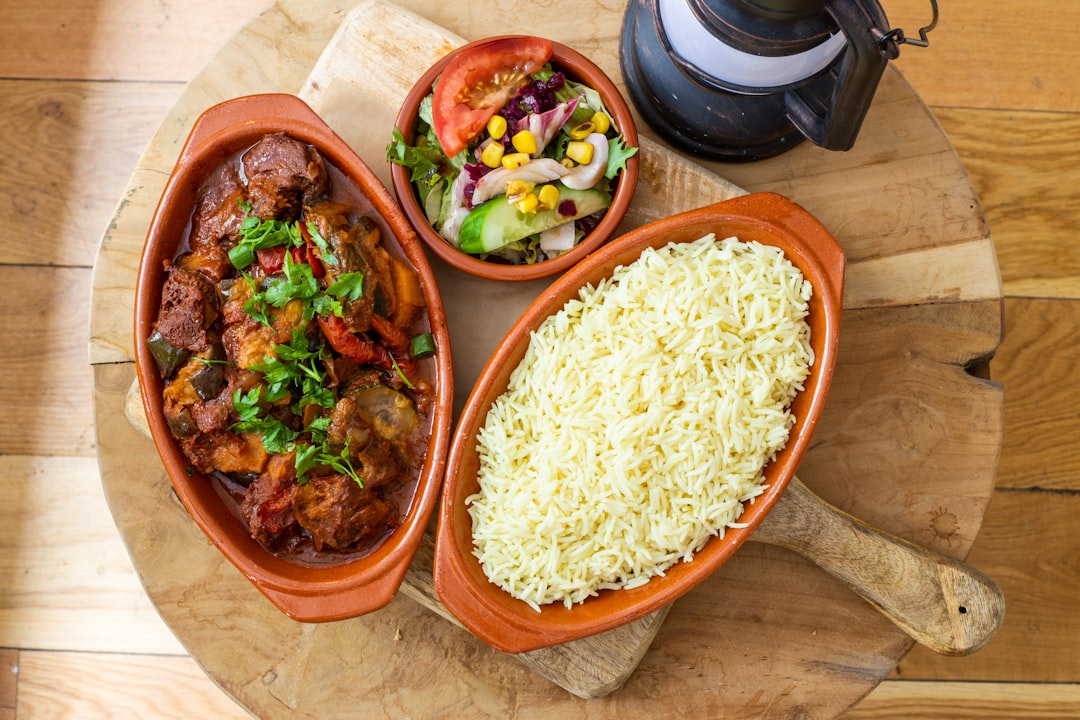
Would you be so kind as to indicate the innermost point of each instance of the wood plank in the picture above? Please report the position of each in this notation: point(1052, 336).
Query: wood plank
point(119, 39)
point(1028, 545)
point(9, 683)
point(1026, 168)
point(992, 53)
point(66, 168)
point(1037, 363)
point(68, 581)
point(94, 686)
point(907, 700)
point(46, 412)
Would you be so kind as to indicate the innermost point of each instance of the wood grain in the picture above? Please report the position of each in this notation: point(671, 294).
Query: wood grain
point(979, 77)
point(969, 701)
point(945, 605)
point(50, 322)
point(9, 675)
point(169, 40)
point(1038, 364)
point(957, 229)
point(992, 54)
point(1028, 189)
point(1026, 546)
point(73, 685)
point(68, 580)
point(65, 172)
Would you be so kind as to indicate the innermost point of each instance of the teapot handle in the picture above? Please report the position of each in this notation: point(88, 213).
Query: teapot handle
point(832, 117)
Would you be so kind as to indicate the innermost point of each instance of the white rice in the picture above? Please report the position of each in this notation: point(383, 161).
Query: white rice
point(640, 419)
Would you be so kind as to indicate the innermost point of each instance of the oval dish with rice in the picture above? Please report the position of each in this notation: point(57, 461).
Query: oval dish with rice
point(640, 420)
point(513, 625)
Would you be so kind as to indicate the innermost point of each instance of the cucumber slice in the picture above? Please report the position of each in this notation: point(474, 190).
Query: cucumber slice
point(498, 223)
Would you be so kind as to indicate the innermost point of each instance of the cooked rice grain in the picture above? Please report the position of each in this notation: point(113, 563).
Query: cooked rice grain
point(640, 419)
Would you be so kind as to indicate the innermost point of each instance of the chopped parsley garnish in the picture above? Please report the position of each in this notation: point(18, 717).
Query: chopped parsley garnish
point(256, 234)
point(298, 282)
point(348, 286)
point(294, 373)
point(320, 242)
point(311, 456)
point(256, 305)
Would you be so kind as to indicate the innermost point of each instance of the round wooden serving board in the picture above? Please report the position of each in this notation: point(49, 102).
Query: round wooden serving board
point(909, 441)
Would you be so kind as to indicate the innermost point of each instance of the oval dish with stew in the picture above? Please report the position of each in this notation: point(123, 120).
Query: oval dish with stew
point(293, 358)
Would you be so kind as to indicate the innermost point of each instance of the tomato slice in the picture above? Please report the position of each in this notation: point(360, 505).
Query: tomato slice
point(477, 82)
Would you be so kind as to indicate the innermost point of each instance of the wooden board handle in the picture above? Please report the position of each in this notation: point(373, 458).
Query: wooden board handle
point(943, 603)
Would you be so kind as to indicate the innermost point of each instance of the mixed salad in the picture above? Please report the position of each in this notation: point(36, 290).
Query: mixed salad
point(512, 161)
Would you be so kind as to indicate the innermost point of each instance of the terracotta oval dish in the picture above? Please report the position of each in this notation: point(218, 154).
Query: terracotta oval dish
point(512, 625)
point(576, 67)
point(353, 579)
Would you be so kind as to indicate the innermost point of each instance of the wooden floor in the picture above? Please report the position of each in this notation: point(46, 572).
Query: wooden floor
point(83, 84)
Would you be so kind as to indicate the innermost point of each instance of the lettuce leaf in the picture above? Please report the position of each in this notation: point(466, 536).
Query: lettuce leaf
point(618, 154)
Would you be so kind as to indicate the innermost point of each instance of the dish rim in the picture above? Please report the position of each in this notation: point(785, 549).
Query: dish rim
point(578, 65)
point(510, 625)
point(309, 593)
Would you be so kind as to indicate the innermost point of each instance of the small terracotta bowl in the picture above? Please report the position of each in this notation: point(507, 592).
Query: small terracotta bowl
point(513, 626)
point(576, 67)
point(306, 593)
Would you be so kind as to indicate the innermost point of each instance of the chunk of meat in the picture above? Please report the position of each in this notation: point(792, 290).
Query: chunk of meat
point(379, 464)
point(283, 175)
point(248, 341)
point(346, 425)
point(339, 513)
point(188, 308)
point(215, 223)
point(357, 249)
point(268, 503)
point(225, 451)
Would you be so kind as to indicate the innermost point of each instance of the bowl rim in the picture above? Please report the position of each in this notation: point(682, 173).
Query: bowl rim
point(510, 625)
point(605, 229)
point(306, 593)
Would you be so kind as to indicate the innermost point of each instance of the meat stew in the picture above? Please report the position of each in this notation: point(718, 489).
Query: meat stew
point(285, 342)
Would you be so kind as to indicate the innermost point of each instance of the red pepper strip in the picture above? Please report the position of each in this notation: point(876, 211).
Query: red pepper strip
point(399, 343)
point(303, 255)
point(351, 346)
point(272, 259)
point(394, 336)
point(312, 252)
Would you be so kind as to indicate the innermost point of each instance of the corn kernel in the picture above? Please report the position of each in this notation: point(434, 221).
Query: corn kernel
point(517, 189)
point(548, 195)
point(582, 131)
point(496, 126)
point(514, 160)
point(492, 154)
point(601, 122)
point(524, 141)
point(568, 163)
point(528, 203)
point(578, 151)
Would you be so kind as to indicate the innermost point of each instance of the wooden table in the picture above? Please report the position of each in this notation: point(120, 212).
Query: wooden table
point(86, 83)
point(909, 442)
